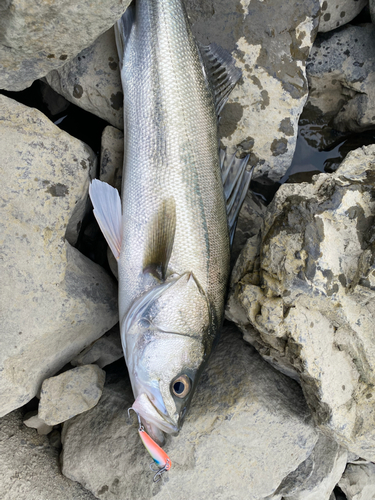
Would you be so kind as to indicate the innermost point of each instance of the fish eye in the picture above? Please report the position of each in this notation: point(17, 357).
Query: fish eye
point(181, 386)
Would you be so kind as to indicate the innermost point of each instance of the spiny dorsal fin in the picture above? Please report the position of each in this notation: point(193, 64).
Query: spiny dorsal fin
point(123, 28)
point(160, 239)
point(236, 181)
point(222, 73)
point(107, 210)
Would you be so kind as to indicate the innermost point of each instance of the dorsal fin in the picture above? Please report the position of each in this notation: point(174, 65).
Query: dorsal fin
point(221, 71)
point(123, 29)
point(236, 181)
point(160, 239)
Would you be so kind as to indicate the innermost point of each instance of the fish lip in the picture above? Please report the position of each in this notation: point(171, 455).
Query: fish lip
point(143, 403)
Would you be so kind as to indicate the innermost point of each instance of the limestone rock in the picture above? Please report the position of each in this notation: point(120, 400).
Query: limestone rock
point(92, 81)
point(29, 467)
point(103, 351)
point(247, 428)
point(309, 293)
point(339, 12)
point(37, 37)
point(32, 420)
point(54, 300)
point(340, 72)
point(70, 393)
point(358, 482)
point(316, 478)
point(112, 157)
point(270, 42)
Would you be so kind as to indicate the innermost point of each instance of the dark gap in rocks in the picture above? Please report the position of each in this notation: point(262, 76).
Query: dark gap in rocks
point(117, 371)
point(363, 17)
point(339, 493)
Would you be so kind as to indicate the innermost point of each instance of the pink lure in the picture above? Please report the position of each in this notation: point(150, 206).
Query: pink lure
point(158, 455)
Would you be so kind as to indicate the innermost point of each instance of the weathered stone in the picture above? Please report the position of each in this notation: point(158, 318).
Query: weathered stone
point(316, 478)
point(310, 295)
point(70, 393)
point(247, 428)
point(340, 72)
point(358, 482)
point(338, 12)
point(112, 157)
point(37, 37)
point(32, 420)
point(103, 351)
point(92, 80)
point(29, 466)
point(270, 42)
point(54, 300)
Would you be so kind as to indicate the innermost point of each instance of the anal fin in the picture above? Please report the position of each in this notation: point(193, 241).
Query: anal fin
point(221, 71)
point(236, 181)
point(160, 239)
point(107, 210)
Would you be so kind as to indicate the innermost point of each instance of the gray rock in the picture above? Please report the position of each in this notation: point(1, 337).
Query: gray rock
point(307, 300)
point(316, 478)
point(41, 36)
point(32, 420)
point(70, 393)
point(247, 428)
point(103, 351)
point(270, 42)
point(339, 12)
point(112, 157)
point(54, 300)
point(92, 80)
point(29, 467)
point(340, 72)
point(358, 482)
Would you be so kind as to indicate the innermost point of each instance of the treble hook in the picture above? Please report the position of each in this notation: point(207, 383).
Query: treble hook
point(140, 428)
point(160, 471)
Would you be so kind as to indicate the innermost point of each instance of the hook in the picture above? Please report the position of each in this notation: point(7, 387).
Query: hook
point(140, 428)
point(160, 471)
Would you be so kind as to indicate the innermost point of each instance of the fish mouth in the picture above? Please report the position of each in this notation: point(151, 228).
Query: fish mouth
point(153, 419)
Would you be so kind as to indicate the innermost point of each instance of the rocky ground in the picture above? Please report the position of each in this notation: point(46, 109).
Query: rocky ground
point(285, 409)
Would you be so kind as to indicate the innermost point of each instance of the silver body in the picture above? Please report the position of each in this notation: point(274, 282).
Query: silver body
point(171, 152)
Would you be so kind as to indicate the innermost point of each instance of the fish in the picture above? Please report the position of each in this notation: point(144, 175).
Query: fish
point(172, 229)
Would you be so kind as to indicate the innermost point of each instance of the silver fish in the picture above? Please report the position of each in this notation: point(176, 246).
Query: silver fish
point(171, 238)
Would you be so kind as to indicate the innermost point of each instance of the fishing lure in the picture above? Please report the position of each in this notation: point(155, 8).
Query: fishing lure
point(158, 455)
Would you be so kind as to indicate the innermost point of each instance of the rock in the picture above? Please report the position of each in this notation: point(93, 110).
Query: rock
point(70, 393)
point(340, 72)
point(92, 81)
point(54, 300)
point(335, 14)
point(103, 351)
point(310, 295)
point(34, 422)
point(358, 482)
point(112, 157)
point(316, 478)
point(39, 37)
point(247, 428)
point(55, 102)
point(270, 42)
point(29, 467)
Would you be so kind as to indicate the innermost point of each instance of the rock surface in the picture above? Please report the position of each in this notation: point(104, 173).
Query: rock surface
point(358, 482)
point(247, 428)
point(37, 37)
point(70, 393)
point(341, 71)
point(112, 157)
point(54, 300)
point(309, 291)
point(92, 80)
point(103, 351)
point(270, 42)
point(339, 12)
point(29, 467)
point(34, 422)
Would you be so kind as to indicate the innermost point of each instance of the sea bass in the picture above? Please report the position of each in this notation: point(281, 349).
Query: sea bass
point(171, 238)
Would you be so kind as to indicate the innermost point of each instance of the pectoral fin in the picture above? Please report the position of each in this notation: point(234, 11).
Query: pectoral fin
point(107, 210)
point(160, 239)
point(236, 182)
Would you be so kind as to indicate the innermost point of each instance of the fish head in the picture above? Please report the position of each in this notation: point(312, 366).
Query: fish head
point(168, 342)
